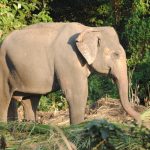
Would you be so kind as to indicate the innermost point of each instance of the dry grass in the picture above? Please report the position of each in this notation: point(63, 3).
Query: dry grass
point(110, 109)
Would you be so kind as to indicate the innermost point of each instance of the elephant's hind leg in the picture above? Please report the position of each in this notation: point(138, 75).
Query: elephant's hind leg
point(12, 111)
point(30, 104)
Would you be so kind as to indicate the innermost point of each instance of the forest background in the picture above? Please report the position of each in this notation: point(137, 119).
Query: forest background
point(131, 19)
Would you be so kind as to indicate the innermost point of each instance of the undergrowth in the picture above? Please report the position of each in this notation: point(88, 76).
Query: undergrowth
point(93, 135)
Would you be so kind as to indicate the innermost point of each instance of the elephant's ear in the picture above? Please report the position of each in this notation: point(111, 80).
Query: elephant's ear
point(87, 43)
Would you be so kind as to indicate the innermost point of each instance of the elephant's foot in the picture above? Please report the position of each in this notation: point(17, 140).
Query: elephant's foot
point(3, 117)
point(30, 105)
point(30, 117)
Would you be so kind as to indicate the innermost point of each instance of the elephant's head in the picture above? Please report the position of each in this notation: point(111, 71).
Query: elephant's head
point(103, 52)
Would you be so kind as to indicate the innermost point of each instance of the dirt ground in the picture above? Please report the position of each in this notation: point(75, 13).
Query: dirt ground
point(105, 108)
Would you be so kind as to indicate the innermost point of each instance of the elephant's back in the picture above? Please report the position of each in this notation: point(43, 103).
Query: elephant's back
point(42, 34)
point(55, 25)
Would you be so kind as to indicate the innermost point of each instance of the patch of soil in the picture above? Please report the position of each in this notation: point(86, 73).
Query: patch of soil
point(105, 108)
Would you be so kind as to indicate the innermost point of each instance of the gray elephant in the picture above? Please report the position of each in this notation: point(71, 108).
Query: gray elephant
point(36, 59)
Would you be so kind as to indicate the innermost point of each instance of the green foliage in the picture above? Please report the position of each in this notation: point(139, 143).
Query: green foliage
point(43, 104)
point(138, 48)
point(137, 32)
point(53, 102)
point(145, 116)
point(93, 135)
point(89, 12)
point(101, 86)
point(100, 134)
point(141, 78)
point(17, 14)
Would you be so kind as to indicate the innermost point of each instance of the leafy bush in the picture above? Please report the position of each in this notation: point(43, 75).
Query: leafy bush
point(17, 14)
point(138, 37)
point(89, 12)
point(100, 134)
point(101, 86)
point(53, 102)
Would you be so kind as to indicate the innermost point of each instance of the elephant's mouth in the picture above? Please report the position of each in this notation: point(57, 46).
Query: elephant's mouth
point(109, 71)
point(110, 75)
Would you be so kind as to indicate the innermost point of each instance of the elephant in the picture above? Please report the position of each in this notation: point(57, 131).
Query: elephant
point(36, 58)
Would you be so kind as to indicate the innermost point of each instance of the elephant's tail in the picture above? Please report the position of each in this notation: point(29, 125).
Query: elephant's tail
point(0, 44)
point(0, 38)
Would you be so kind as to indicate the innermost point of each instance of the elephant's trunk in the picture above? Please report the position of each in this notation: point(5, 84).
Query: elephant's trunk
point(120, 73)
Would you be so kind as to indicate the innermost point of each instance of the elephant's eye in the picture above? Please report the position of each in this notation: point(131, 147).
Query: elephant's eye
point(98, 43)
point(116, 55)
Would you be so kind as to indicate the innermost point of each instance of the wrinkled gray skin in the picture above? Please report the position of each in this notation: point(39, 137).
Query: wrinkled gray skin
point(35, 59)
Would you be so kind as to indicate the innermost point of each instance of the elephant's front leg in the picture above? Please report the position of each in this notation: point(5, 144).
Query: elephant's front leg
point(76, 92)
